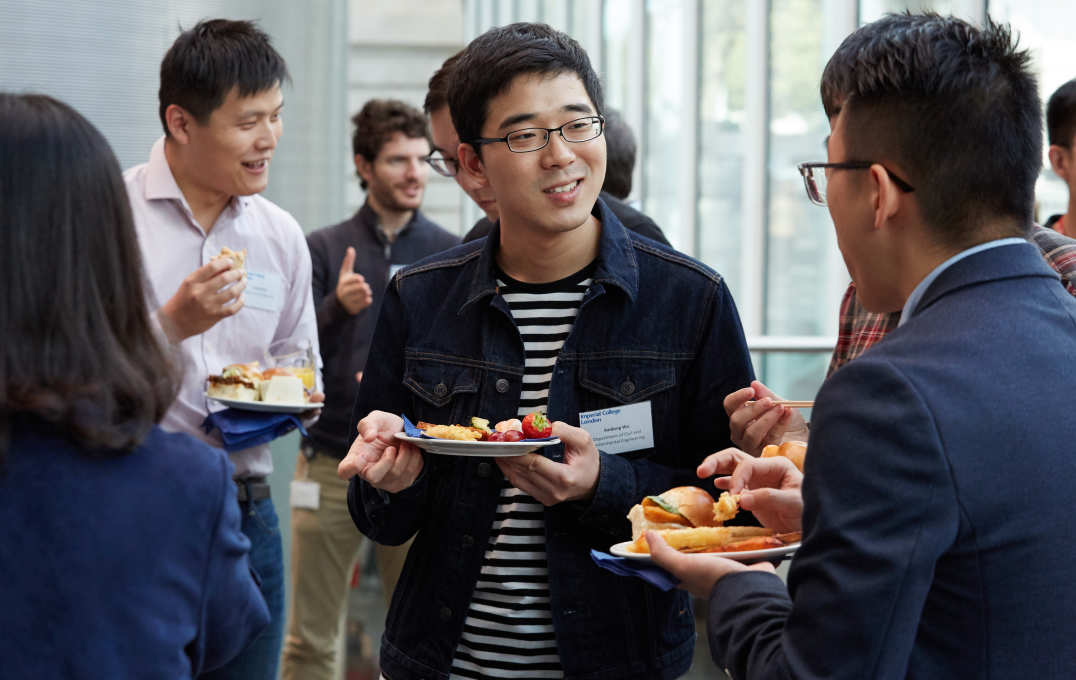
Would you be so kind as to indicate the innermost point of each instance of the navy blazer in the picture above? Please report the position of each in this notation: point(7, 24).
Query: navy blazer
point(121, 567)
point(939, 529)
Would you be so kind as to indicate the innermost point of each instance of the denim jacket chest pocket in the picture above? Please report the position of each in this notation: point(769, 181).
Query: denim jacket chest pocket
point(446, 390)
point(628, 380)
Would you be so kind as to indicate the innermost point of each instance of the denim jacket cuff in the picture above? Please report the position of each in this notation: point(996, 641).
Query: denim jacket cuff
point(616, 484)
point(380, 501)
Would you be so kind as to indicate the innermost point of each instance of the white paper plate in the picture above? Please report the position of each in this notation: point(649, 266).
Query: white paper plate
point(622, 550)
point(455, 447)
point(268, 406)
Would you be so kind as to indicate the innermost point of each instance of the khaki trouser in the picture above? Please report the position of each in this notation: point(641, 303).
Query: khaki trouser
point(324, 548)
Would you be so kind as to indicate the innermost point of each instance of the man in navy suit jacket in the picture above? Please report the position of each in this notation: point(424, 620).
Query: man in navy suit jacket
point(937, 495)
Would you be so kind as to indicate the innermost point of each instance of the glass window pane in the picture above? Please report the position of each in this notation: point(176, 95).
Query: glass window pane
point(792, 375)
point(869, 10)
point(805, 276)
point(663, 166)
point(1046, 29)
point(722, 93)
point(616, 36)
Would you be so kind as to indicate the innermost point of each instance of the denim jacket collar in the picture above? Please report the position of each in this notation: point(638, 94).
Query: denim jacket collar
point(616, 263)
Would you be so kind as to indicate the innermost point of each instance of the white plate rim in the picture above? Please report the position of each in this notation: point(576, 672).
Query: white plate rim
point(457, 447)
point(621, 550)
point(267, 406)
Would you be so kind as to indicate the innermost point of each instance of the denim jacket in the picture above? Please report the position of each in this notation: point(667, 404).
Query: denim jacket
point(655, 326)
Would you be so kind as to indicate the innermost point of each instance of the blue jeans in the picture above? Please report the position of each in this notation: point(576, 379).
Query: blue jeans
point(259, 661)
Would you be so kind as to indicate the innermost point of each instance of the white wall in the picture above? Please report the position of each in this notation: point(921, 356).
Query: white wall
point(394, 46)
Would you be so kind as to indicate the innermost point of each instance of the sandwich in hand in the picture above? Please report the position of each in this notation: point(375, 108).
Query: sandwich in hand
point(236, 381)
point(690, 521)
point(238, 258)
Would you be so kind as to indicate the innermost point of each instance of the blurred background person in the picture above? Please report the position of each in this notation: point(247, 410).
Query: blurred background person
point(1061, 132)
point(352, 264)
point(443, 158)
point(114, 565)
point(620, 151)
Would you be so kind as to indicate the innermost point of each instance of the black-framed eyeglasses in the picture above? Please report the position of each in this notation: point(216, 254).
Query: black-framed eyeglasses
point(536, 138)
point(447, 167)
point(814, 177)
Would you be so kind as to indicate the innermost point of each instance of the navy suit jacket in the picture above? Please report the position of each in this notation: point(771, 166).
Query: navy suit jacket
point(939, 527)
point(127, 566)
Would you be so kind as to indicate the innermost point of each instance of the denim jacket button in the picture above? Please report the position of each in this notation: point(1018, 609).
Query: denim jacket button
point(441, 389)
point(484, 469)
point(502, 385)
point(627, 387)
point(468, 540)
point(446, 614)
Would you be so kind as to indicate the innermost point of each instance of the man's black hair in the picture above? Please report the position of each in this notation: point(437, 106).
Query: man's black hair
point(207, 61)
point(440, 84)
point(378, 121)
point(493, 60)
point(953, 108)
point(619, 155)
point(1061, 115)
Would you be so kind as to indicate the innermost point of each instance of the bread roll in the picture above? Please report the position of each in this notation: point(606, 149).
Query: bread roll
point(238, 258)
point(793, 450)
point(694, 507)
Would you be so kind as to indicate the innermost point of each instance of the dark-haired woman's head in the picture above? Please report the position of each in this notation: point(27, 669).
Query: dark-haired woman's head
point(79, 351)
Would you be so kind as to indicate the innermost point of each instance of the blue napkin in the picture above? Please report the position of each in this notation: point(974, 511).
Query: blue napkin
point(651, 573)
point(411, 431)
point(243, 429)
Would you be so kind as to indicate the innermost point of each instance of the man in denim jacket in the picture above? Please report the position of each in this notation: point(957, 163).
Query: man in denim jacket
point(655, 329)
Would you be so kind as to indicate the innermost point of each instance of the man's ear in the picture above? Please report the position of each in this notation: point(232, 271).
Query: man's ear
point(364, 167)
point(179, 122)
point(885, 195)
point(1060, 161)
point(471, 164)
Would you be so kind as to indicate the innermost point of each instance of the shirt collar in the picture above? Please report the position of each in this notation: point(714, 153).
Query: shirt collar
point(161, 183)
point(921, 288)
point(615, 265)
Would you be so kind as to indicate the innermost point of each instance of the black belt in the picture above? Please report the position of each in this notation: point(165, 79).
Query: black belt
point(251, 489)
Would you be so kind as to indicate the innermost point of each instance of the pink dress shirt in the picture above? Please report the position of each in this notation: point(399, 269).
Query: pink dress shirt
point(174, 245)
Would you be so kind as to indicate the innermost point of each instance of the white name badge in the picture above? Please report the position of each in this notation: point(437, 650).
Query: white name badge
point(264, 291)
point(305, 494)
point(620, 429)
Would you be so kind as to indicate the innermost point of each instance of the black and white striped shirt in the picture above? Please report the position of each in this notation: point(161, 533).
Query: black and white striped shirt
point(508, 632)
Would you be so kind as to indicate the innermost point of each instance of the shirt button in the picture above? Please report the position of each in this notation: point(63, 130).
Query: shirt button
point(627, 387)
point(484, 469)
point(446, 614)
point(441, 389)
point(502, 385)
point(468, 540)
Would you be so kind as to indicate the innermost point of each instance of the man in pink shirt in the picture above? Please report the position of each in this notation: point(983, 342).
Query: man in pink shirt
point(220, 105)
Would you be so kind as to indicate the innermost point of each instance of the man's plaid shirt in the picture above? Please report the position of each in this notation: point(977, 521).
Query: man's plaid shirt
point(859, 329)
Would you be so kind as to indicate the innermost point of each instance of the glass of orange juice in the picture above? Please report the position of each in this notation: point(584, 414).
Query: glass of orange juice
point(296, 354)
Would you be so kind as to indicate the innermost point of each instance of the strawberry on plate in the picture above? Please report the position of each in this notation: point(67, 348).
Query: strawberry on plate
point(537, 426)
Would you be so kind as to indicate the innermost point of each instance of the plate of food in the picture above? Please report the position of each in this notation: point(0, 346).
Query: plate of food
point(624, 549)
point(691, 521)
point(275, 390)
point(512, 437)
